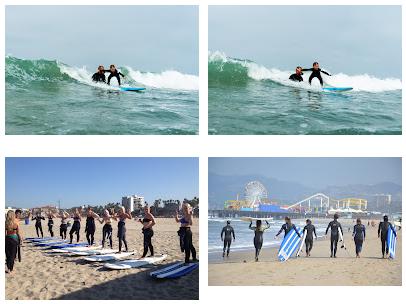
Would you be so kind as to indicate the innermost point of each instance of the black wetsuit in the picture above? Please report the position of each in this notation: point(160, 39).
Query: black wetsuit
point(121, 235)
point(296, 77)
point(334, 225)
point(148, 234)
point(359, 236)
point(316, 73)
point(90, 230)
point(38, 225)
point(99, 77)
point(287, 228)
point(228, 232)
point(107, 233)
point(50, 226)
point(383, 233)
point(258, 238)
point(75, 229)
point(309, 237)
point(11, 248)
point(63, 228)
point(116, 74)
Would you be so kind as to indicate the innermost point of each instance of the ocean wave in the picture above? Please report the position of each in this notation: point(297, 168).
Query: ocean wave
point(23, 71)
point(225, 70)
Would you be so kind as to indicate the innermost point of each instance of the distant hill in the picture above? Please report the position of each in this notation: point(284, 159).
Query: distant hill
point(222, 188)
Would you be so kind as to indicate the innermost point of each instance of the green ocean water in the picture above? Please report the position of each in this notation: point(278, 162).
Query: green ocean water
point(248, 98)
point(48, 97)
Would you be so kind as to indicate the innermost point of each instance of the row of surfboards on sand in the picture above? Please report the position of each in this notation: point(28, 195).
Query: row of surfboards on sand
point(293, 244)
point(112, 259)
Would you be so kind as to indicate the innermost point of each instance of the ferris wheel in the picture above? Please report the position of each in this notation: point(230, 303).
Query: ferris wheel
point(255, 192)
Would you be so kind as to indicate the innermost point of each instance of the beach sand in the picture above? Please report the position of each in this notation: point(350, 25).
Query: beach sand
point(319, 269)
point(42, 275)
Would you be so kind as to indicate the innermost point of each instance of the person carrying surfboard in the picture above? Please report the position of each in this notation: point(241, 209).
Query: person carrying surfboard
point(383, 230)
point(316, 73)
point(310, 230)
point(228, 231)
point(288, 226)
point(297, 76)
point(114, 73)
point(335, 233)
point(258, 236)
point(99, 75)
point(359, 237)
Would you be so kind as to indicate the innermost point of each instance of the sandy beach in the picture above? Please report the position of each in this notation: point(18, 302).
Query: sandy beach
point(42, 275)
point(319, 269)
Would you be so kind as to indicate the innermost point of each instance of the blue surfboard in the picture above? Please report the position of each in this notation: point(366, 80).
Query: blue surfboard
point(37, 239)
point(128, 89)
point(49, 244)
point(67, 245)
point(391, 242)
point(289, 245)
point(174, 271)
point(334, 89)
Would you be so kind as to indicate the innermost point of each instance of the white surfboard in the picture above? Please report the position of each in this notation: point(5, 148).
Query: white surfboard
point(75, 249)
point(127, 264)
point(108, 257)
point(173, 271)
point(253, 219)
point(302, 243)
point(93, 252)
point(341, 238)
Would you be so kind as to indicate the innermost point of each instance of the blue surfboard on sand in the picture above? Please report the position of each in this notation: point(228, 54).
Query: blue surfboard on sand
point(174, 271)
point(129, 89)
point(333, 89)
point(289, 244)
point(68, 245)
point(391, 242)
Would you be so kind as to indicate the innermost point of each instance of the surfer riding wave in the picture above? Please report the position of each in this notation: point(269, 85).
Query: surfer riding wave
point(315, 73)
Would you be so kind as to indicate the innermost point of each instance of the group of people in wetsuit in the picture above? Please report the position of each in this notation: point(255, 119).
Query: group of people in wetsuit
point(315, 73)
point(185, 219)
point(100, 77)
point(358, 234)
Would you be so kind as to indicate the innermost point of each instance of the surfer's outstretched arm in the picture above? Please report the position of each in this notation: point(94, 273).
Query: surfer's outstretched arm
point(280, 231)
point(121, 74)
point(325, 72)
point(306, 70)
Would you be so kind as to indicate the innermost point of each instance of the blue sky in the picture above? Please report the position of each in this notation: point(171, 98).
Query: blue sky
point(75, 181)
point(148, 38)
point(314, 172)
point(349, 39)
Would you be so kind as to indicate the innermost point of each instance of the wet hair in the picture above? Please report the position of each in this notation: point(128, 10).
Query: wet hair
point(259, 223)
point(228, 222)
point(314, 63)
point(358, 221)
point(385, 218)
point(308, 221)
point(298, 67)
point(336, 216)
point(112, 66)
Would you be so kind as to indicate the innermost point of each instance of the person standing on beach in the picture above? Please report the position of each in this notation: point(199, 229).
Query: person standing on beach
point(148, 221)
point(122, 215)
point(18, 215)
point(38, 225)
point(50, 216)
point(90, 225)
point(359, 237)
point(383, 229)
point(13, 239)
point(334, 225)
point(76, 225)
point(107, 228)
point(185, 232)
point(309, 236)
point(228, 231)
point(287, 227)
point(63, 228)
point(258, 236)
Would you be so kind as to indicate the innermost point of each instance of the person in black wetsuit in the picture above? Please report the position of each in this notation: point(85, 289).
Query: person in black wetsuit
point(185, 232)
point(114, 73)
point(63, 228)
point(76, 226)
point(383, 229)
point(258, 236)
point(287, 227)
point(359, 237)
point(99, 75)
point(309, 236)
point(316, 73)
point(334, 225)
point(107, 228)
point(50, 216)
point(121, 216)
point(297, 76)
point(38, 225)
point(228, 232)
point(147, 222)
point(90, 225)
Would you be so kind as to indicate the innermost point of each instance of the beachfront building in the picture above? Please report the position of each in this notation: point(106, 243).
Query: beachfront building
point(133, 202)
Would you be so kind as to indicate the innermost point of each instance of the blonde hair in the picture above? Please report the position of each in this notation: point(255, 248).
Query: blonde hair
point(10, 220)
